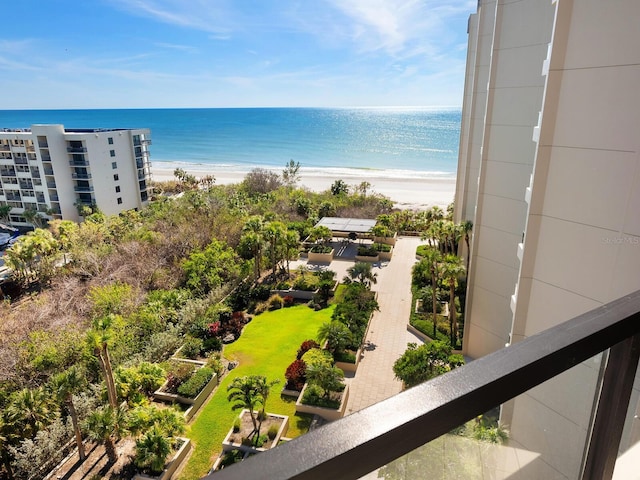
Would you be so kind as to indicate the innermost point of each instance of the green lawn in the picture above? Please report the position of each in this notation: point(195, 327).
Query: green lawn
point(266, 347)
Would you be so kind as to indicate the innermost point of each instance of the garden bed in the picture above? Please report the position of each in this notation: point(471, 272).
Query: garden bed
point(329, 414)
point(172, 465)
point(238, 440)
point(194, 403)
point(313, 257)
point(346, 366)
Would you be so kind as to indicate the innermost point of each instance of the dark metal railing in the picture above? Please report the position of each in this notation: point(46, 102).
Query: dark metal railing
point(368, 439)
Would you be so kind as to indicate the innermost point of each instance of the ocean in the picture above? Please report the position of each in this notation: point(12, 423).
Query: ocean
point(368, 142)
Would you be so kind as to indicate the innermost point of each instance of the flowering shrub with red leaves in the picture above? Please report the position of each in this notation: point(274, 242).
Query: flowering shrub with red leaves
point(305, 347)
point(296, 375)
point(215, 329)
point(288, 300)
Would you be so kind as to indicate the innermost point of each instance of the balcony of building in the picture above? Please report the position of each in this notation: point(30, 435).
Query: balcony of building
point(81, 176)
point(45, 156)
point(19, 160)
point(78, 163)
point(77, 149)
point(7, 172)
point(408, 436)
point(83, 188)
point(4, 147)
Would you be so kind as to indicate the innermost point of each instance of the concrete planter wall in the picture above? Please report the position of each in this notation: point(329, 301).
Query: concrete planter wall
point(386, 240)
point(173, 464)
point(362, 258)
point(329, 414)
point(386, 256)
point(289, 393)
point(195, 403)
point(297, 294)
point(228, 445)
point(320, 257)
point(350, 367)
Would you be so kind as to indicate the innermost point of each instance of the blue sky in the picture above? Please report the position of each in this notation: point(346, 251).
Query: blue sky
point(232, 53)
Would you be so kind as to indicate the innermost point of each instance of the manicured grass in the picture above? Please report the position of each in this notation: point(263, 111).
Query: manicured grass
point(266, 347)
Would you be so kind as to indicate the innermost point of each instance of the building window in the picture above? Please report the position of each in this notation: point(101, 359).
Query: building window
point(114, 165)
point(116, 177)
point(110, 140)
point(119, 200)
point(117, 188)
point(112, 153)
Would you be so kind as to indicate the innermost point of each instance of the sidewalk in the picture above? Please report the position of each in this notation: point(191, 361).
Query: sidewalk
point(387, 337)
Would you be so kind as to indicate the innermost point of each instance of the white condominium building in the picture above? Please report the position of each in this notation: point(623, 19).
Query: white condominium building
point(549, 174)
point(54, 171)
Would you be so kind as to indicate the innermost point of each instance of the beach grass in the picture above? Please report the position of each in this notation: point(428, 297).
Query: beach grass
point(266, 347)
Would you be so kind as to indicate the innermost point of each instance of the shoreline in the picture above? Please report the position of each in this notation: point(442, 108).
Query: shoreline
point(418, 193)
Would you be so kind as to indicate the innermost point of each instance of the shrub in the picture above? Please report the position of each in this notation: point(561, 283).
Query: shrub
point(275, 302)
point(213, 344)
point(382, 247)
point(316, 357)
point(192, 348)
point(192, 387)
point(367, 252)
point(229, 458)
point(345, 356)
point(236, 425)
point(296, 375)
point(305, 347)
point(288, 301)
point(215, 363)
point(261, 308)
point(321, 249)
point(314, 395)
point(177, 374)
point(273, 431)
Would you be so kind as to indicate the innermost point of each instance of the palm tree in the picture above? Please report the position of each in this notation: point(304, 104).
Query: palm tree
point(106, 426)
point(31, 411)
point(253, 238)
point(5, 210)
point(452, 268)
point(63, 386)
point(432, 258)
point(250, 392)
point(8, 438)
point(98, 339)
point(363, 272)
point(336, 334)
point(291, 243)
point(466, 228)
point(152, 450)
point(274, 233)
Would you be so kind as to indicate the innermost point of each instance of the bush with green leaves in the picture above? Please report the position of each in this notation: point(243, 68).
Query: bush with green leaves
point(421, 363)
point(316, 356)
point(275, 302)
point(314, 395)
point(192, 348)
point(192, 387)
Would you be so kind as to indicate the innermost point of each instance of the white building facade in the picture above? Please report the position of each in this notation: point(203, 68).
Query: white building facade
point(549, 173)
point(55, 171)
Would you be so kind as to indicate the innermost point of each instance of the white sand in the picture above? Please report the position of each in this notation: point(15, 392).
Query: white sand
point(412, 193)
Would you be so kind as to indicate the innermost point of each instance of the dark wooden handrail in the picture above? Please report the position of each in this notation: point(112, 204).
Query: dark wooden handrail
point(368, 439)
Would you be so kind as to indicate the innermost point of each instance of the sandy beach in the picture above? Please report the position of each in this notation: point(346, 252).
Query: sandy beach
point(407, 193)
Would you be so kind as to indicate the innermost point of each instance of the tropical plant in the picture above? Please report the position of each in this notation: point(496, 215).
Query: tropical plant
point(252, 242)
point(250, 392)
point(98, 339)
point(210, 268)
point(152, 451)
point(64, 386)
point(105, 426)
point(467, 227)
point(30, 410)
point(452, 269)
point(327, 377)
point(363, 272)
point(431, 260)
point(336, 335)
point(339, 187)
point(419, 364)
point(290, 174)
point(274, 234)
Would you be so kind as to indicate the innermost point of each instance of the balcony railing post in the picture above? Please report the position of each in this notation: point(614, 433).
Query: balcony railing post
point(611, 412)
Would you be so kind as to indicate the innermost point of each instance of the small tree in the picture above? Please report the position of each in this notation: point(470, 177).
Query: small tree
point(152, 450)
point(327, 377)
point(339, 187)
point(336, 334)
point(290, 174)
point(250, 392)
point(63, 386)
point(106, 426)
point(419, 364)
point(363, 272)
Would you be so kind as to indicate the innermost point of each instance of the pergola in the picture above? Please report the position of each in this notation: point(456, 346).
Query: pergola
point(342, 227)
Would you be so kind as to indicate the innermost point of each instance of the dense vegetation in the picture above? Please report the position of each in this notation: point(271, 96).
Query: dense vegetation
point(114, 293)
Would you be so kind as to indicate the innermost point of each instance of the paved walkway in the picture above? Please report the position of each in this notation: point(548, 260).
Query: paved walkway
point(387, 337)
